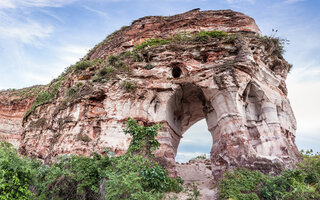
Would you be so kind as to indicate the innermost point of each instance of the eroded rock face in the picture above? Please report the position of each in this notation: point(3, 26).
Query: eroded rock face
point(12, 110)
point(237, 83)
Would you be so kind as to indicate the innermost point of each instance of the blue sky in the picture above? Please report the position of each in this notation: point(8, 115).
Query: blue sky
point(40, 38)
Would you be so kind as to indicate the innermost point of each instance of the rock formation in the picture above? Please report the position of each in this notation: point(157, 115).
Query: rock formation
point(236, 81)
point(13, 106)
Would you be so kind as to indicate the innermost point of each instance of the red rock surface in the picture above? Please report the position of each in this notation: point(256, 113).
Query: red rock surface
point(12, 110)
point(162, 27)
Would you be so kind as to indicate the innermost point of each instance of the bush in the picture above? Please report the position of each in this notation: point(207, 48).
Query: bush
point(125, 180)
point(130, 176)
point(73, 177)
point(275, 45)
point(298, 184)
point(44, 96)
point(72, 91)
point(106, 70)
point(156, 178)
point(242, 184)
point(82, 65)
point(128, 85)
point(15, 174)
point(144, 140)
point(112, 59)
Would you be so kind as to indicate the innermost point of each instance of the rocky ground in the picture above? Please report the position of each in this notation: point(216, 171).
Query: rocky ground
point(198, 181)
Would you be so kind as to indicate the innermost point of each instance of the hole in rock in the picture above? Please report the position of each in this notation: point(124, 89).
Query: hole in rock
point(176, 72)
point(193, 123)
point(196, 142)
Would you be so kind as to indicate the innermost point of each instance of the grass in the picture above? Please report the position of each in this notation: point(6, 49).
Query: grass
point(197, 37)
point(23, 93)
point(205, 35)
point(82, 65)
point(45, 96)
point(275, 45)
point(151, 43)
point(42, 98)
point(128, 85)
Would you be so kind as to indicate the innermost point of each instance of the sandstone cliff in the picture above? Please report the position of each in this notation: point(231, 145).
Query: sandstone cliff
point(202, 64)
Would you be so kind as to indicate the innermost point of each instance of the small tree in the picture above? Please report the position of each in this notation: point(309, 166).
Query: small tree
point(144, 140)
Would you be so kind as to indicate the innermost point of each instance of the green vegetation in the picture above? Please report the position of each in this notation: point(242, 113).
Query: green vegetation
point(106, 70)
point(200, 157)
point(192, 191)
point(15, 174)
point(128, 85)
point(44, 96)
point(149, 66)
point(144, 140)
point(25, 92)
point(113, 65)
point(197, 37)
point(290, 68)
point(73, 91)
point(135, 175)
point(151, 43)
point(275, 45)
point(82, 65)
point(112, 59)
point(302, 183)
point(205, 35)
point(116, 64)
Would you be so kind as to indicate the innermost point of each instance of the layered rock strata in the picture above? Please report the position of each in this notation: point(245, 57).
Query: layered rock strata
point(12, 110)
point(236, 82)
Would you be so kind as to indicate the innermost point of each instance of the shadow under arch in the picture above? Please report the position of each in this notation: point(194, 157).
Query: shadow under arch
point(187, 106)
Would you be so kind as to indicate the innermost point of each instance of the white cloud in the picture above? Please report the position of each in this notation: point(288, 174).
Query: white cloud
point(28, 32)
point(98, 12)
point(292, 1)
point(33, 3)
point(304, 96)
point(6, 4)
point(56, 17)
point(70, 54)
point(238, 1)
point(197, 134)
point(183, 157)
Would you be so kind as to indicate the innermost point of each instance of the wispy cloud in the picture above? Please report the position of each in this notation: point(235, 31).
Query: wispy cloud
point(7, 4)
point(71, 53)
point(292, 1)
point(98, 12)
point(33, 3)
point(28, 32)
point(54, 16)
point(240, 1)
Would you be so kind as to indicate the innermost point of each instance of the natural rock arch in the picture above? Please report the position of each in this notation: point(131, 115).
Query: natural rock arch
point(186, 106)
point(231, 81)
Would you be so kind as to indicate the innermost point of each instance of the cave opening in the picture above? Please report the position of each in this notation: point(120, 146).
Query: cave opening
point(176, 72)
point(192, 121)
